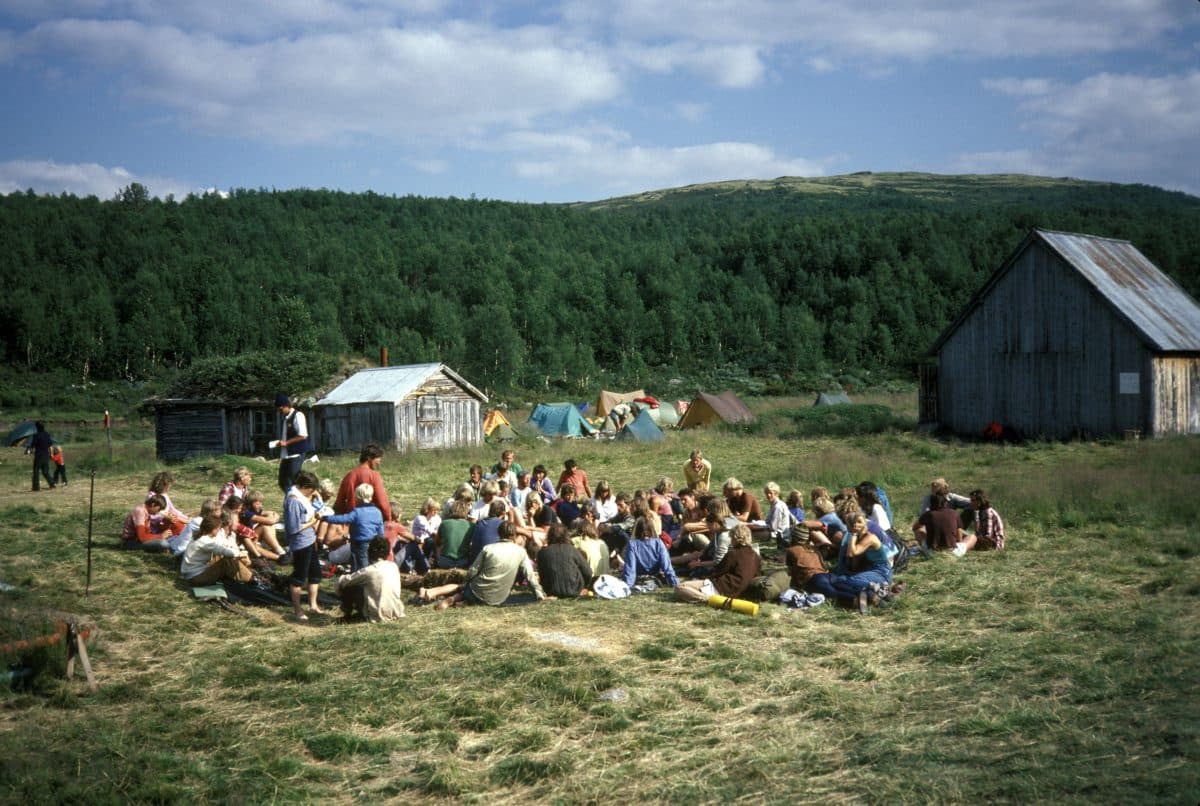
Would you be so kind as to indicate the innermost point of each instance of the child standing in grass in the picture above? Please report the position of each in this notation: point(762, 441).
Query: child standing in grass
point(298, 521)
point(365, 522)
point(60, 466)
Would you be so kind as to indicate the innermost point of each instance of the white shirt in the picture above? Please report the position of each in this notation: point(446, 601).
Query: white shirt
point(301, 429)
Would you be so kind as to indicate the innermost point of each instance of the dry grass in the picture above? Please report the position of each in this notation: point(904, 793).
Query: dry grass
point(1062, 669)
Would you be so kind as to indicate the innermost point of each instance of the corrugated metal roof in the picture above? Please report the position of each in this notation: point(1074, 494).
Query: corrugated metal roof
point(1153, 304)
point(1149, 299)
point(389, 384)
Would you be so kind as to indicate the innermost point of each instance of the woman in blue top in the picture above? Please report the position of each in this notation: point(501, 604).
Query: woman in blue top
point(867, 585)
point(298, 522)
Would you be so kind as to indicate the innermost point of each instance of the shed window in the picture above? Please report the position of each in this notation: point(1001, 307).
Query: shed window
point(429, 407)
point(1131, 383)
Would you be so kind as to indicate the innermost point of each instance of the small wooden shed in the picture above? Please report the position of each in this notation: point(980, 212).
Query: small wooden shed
point(412, 407)
point(1073, 335)
point(186, 427)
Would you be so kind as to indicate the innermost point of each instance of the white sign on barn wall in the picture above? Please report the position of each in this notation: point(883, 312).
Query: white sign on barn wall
point(1130, 383)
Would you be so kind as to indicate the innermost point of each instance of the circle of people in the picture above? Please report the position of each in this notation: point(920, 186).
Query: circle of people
point(512, 530)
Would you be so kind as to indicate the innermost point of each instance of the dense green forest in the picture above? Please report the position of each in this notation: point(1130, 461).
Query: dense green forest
point(789, 282)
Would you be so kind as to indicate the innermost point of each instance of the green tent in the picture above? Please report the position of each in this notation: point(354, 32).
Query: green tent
point(502, 433)
point(831, 399)
point(560, 420)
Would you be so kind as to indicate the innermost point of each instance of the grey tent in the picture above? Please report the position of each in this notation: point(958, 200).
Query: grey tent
point(831, 399)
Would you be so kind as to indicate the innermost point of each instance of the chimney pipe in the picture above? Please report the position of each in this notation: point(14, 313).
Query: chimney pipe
point(383, 358)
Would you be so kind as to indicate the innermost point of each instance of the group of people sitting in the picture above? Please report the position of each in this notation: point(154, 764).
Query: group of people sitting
point(509, 528)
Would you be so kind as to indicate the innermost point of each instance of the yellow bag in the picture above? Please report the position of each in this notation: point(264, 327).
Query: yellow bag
point(729, 603)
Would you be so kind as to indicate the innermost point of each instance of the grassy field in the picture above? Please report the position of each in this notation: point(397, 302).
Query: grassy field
point(1064, 669)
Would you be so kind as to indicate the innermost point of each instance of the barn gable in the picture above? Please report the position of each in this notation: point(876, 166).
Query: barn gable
point(416, 406)
point(1072, 335)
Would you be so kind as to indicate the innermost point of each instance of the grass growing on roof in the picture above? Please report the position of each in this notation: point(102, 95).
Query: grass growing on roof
point(1062, 669)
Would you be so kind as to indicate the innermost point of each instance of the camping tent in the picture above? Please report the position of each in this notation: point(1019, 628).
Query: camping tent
point(707, 408)
point(560, 420)
point(642, 429)
point(494, 418)
point(831, 399)
point(22, 431)
point(665, 416)
point(610, 399)
point(502, 433)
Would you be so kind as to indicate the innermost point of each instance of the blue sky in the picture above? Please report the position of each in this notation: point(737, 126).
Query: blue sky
point(586, 99)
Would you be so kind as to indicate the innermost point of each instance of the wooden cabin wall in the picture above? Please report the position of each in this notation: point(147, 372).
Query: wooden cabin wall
point(1176, 399)
point(183, 432)
point(1044, 353)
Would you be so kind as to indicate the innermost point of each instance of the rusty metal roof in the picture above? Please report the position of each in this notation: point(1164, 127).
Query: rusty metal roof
point(1151, 301)
point(1167, 318)
point(391, 384)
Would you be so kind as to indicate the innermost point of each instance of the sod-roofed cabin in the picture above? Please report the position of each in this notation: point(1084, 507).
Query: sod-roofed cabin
point(406, 408)
point(1073, 335)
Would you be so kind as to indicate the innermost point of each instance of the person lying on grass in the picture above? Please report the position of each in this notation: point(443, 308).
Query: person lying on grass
point(298, 521)
point(564, 571)
point(491, 577)
point(215, 555)
point(365, 522)
point(732, 576)
point(373, 592)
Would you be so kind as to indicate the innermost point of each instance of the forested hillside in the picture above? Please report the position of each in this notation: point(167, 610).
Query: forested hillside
point(782, 281)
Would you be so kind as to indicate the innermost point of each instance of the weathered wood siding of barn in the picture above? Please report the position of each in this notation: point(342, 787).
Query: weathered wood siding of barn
point(349, 427)
point(1176, 395)
point(183, 432)
point(439, 414)
point(1044, 353)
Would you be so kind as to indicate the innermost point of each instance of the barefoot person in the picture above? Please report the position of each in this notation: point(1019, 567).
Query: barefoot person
point(491, 577)
point(299, 520)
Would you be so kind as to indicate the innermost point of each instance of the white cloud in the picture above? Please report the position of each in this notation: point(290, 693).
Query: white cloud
point(692, 112)
point(80, 179)
point(608, 159)
point(1118, 127)
point(396, 83)
point(1019, 87)
point(915, 30)
point(819, 64)
point(430, 166)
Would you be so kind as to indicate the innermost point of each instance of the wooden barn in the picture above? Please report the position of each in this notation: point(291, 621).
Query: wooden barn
point(1072, 336)
point(195, 427)
point(413, 407)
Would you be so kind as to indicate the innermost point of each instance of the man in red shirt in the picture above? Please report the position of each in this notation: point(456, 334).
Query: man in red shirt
point(574, 475)
point(367, 472)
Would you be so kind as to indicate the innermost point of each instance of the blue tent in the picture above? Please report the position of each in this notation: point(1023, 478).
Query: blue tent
point(560, 420)
point(642, 429)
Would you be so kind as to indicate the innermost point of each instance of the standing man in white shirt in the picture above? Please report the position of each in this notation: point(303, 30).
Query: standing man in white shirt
point(292, 442)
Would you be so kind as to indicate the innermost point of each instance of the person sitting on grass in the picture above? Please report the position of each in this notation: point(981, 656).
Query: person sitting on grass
point(451, 544)
point(586, 539)
point(489, 492)
point(779, 518)
point(146, 526)
point(565, 507)
point(486, 530)
point(215, 555)
point(733, 575)
point(720, 521)
point(537, 514)
point(491, 577)
point(298, 522)
point(239, 485)
point(174, 518)
point(742, 503)
point(989, 529)
point(646, 556)
point(871, 584)
point(180, 542)
point(244, 535)
point(373, 592)
point(938, 527)
point(563, 570)
point(262, 522)
point(541, 482)
point(365, 522)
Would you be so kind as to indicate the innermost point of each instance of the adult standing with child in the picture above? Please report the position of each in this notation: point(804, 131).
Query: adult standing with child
point(40, 444)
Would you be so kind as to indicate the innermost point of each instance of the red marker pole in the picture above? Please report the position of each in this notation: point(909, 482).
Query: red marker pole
point(108, 433)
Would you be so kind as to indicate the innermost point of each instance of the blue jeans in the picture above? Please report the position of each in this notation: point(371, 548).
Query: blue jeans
point(358, 554)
